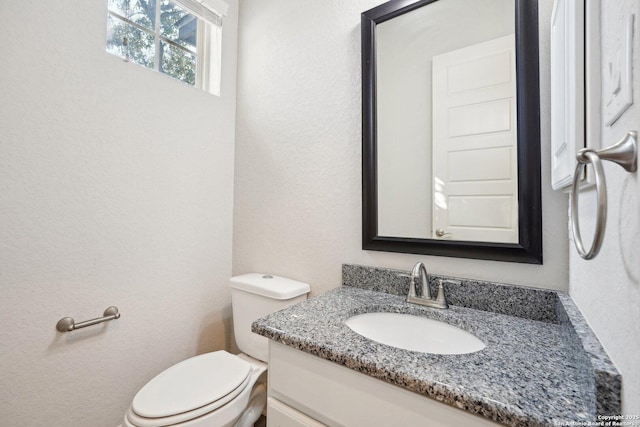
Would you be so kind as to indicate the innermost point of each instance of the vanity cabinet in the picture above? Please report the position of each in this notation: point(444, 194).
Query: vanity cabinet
point(281, 415)
point(305, 390)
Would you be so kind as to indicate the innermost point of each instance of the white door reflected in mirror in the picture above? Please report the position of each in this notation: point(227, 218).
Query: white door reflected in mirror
point(474, 145)
point(446, 123)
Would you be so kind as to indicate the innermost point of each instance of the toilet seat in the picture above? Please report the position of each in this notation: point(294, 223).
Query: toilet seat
point(193, 388)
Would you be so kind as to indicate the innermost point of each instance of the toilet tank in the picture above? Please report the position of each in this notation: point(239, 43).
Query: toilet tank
point(254, 296)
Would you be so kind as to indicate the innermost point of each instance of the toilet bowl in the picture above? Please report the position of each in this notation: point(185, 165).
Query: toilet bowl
point(219, 389)
point(213, 389)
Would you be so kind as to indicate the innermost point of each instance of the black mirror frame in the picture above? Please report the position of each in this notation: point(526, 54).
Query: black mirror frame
point(529, 248)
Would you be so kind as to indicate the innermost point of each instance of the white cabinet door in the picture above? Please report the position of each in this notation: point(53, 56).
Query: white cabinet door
point(281, 415)
point(475, 164)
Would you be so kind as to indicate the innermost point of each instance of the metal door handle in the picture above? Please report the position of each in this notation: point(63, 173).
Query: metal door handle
point(441, 233)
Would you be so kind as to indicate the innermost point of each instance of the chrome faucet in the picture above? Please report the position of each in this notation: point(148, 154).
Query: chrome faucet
point(419, 292)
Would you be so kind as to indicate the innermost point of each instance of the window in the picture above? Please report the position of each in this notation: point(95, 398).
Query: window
point(180, 38)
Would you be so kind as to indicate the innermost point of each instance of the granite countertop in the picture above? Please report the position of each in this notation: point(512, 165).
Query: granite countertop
point(529, 373)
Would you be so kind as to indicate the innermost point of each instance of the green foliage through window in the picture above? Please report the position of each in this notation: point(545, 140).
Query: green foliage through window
point(156, 34)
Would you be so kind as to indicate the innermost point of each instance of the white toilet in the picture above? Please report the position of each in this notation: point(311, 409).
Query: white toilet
point(220, 389)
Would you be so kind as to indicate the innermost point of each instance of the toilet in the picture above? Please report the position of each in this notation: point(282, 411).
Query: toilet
point(220, 389)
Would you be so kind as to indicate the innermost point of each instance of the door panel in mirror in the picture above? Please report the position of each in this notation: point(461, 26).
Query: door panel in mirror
point(473, 146)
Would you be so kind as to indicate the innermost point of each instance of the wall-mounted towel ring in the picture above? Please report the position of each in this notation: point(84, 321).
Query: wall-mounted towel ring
point(624, 153)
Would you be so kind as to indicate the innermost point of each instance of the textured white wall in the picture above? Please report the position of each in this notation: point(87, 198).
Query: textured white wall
point(607, 289)
point(297, 209)
point(116, 188)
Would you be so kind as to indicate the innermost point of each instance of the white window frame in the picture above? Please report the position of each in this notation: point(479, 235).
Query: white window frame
point(208, 50)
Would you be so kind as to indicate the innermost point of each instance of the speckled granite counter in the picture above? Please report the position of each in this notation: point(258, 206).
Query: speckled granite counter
point(532, 372)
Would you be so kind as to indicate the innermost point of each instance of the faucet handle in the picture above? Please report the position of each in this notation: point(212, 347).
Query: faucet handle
point(441, 299)
point(412, 285)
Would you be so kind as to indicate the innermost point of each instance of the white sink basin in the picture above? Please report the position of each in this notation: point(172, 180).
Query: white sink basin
point(414, 333)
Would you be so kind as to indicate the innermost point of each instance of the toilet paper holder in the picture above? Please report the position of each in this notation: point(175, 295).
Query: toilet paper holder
point(67, 324)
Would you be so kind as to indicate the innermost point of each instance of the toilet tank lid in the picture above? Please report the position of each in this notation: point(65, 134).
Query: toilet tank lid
point(270, 286)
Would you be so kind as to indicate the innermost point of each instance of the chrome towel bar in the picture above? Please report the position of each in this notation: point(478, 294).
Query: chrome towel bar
point(625, 154)
point(67, 324)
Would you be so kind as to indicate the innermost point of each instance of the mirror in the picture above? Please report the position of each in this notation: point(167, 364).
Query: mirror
point(451, 139)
